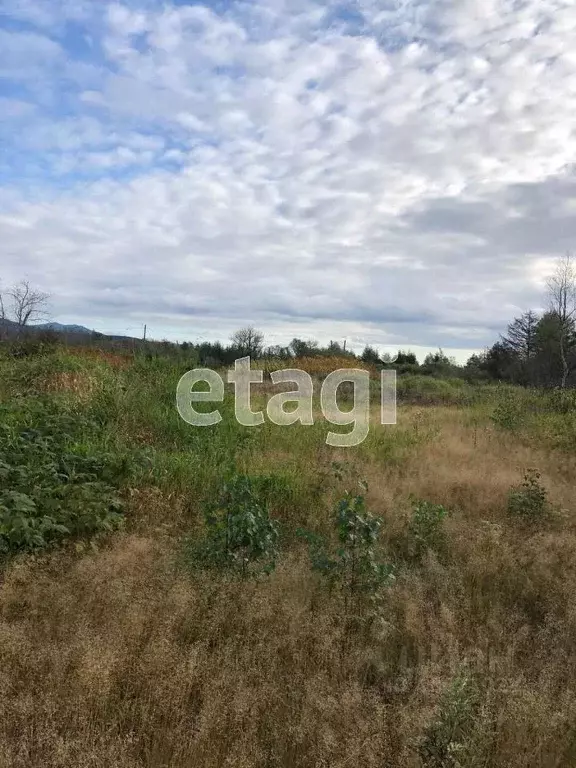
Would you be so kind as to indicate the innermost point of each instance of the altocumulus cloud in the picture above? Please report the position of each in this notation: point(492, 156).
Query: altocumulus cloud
point(398, 173)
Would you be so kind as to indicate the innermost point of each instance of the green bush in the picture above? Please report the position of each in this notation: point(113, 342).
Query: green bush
point(354, 562)
point(529, 500)
point(447, 741)
point(33, 345)
point(561, 400)
point(426, 529)
point(509, 411)
point(48, 493)
point(240, 537)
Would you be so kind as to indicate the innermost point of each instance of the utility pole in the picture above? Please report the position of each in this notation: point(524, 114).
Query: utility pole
point(144, 337)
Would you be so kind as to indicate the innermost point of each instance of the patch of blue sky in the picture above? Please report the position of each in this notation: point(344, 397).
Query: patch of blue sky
point(346, 18)
point(218, 6)
point(10, 89)
point(64, 169)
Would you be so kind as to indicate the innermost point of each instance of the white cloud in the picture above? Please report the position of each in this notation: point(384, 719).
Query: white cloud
point(23, 54)
point(397, 176)
point(12, 109)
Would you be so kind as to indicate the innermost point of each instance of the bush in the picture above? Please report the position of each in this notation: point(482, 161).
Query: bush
point(240, 537)
point(426, 530)
point(48, 494)
point(561, 400)
point(529, 500)
point(446, 742)
point(354, 564)
point(509, 412)
point(33, 345)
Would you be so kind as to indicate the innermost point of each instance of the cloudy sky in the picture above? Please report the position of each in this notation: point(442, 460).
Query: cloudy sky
point(394, 172)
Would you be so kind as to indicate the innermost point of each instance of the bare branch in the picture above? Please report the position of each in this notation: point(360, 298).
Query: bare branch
point(562, 288)
point(248, 341)
point(28, 304)
point(562, 301)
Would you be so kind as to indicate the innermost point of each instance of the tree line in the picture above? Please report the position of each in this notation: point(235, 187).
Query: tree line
point(537, 349)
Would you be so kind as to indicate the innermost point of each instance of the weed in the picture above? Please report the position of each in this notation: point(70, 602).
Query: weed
point(426, 530)
point(49, 494)
point(445, 741)
point(508, 413)
point(354, 563)
point(561, 400)
point(240, 536)
point(529, 500)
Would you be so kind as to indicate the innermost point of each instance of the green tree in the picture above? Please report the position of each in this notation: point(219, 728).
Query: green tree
point(521, 343)
point(303, 348)
point(520, 337)
point(498, 362)
point(370, 355)
point(439, 364)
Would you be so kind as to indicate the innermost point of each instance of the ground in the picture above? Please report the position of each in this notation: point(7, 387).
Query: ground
point(114, 653)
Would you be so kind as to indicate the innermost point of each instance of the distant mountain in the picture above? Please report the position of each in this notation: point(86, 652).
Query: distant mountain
point(10, 327)
point(60, 328)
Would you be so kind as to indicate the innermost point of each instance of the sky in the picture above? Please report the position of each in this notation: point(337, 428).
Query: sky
point(395, 173)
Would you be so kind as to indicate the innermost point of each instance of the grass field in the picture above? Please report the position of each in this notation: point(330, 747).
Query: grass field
point(117, 649)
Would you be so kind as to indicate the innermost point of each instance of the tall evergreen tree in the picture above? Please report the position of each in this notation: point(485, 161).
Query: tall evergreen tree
point(520, 338)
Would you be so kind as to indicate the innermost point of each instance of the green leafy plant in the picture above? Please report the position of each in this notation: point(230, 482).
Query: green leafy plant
point(561, 400)
point(353, 562)
point(529, 500)
point(48, 493)
point(240, 536)
point(508, 413)
point(426, 529)
point(446, 742)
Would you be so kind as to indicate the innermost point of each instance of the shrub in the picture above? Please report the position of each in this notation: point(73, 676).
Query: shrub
point(240, 536)
point(508, 413)
point(529, 500)
point(33, 344)
point(354, 564)
point(426, 530)
point(561, 400)
point(48, 494)
point(446, 742)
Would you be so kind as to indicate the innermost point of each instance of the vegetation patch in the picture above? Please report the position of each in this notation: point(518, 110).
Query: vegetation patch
point(353, 560)
point(528, 501)
point(239, 535)
point(49, 492)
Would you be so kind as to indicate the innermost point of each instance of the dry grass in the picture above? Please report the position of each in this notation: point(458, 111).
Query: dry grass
point(319, 365)
point(79, 384)
point(116, 658)
point(116, 360)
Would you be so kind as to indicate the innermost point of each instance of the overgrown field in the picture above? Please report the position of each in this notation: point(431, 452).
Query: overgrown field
point(174, 596)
